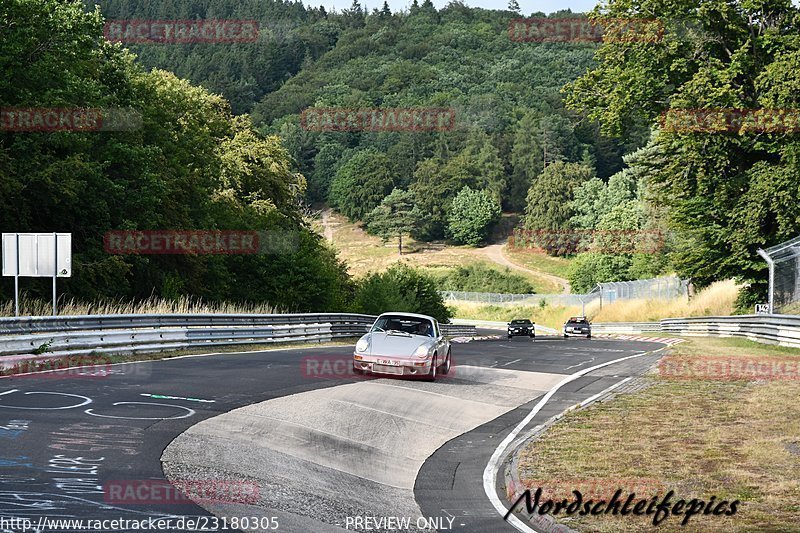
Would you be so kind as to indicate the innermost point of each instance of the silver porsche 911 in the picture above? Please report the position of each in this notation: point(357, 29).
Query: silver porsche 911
point(403, 344)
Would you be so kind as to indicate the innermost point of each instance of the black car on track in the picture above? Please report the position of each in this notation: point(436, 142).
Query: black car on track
point(522, 327)
point(578, 325)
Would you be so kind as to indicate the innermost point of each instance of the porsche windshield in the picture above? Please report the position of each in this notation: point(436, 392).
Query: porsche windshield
point(394, 324)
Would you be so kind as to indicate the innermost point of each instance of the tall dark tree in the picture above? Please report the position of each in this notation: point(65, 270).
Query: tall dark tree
point(361, 184)
point(395, 217)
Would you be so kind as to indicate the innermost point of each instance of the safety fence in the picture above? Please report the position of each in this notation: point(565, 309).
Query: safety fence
point(783, 261)
point(517, 299)
point(604, 293)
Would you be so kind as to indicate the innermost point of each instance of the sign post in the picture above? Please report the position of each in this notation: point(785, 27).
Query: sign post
point(55, 270)
point(36, 255)
point(16, 275)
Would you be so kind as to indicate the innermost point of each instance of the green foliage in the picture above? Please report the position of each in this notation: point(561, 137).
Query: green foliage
point(326, 162)
point(458, 58)
point(472, 216)
point(749, 296)
point(724, 193)
point(43, 348)
point(624, 220)
point(190, 165)
point(361, 184)
point(290, 37)
point(395, 217)
point(400, 288)
point(590, 268)
point(509, 118)
point(436, 184)
point(527, 159)
point(551, 193)
point(479, 277)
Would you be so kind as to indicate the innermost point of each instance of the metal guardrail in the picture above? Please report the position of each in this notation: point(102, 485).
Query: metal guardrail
point(21, 325)
point(771, 329)
point(492, 324)
point(455, 330)
point(625, 327)
point(75, 335)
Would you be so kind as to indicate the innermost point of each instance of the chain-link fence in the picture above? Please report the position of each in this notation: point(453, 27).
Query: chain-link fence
point(656, 288)
point(642, 289)
point(516, 299)
point(784, 277)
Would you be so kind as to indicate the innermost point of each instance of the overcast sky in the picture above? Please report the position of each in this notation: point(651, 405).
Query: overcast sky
point(527, 6)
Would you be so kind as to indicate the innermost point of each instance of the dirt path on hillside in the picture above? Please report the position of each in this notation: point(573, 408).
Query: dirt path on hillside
point(495, 253)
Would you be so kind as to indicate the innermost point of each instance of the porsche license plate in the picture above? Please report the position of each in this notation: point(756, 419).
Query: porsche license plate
point(388, 362)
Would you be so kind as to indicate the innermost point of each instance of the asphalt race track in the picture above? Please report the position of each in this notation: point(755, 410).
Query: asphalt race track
point(291, 420)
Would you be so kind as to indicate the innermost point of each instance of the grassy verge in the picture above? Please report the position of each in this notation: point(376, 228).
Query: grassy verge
point(736, 440)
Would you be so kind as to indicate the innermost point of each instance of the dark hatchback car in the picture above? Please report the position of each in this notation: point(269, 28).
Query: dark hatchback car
point(578, 325)
point(521, 328)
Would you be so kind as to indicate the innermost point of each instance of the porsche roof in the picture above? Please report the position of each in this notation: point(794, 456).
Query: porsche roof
point(412, 315)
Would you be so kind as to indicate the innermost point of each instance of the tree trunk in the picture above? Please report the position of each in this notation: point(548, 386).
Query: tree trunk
point(400, 245)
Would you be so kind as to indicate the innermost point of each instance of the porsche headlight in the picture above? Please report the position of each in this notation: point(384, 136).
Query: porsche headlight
point(422, 351)
point(362, 345)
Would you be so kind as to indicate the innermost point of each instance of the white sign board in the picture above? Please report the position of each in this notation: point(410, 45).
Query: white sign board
point(38, 255)
point(762, 309)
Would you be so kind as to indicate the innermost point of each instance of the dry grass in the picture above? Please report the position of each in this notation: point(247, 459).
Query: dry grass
point(152, 305)
point(535, 260)
point(366, 253)
point(736, 440)
point(717, 299)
